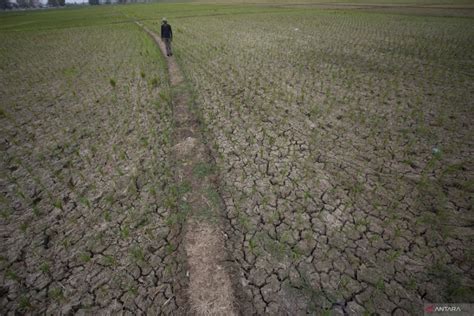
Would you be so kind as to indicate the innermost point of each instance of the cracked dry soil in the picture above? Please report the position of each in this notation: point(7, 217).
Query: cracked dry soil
point(88, 224)
point(109, 203)
point(210, 288)
point(334, 200)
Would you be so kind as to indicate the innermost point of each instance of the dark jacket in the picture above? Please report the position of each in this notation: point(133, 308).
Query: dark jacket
point(166, 31)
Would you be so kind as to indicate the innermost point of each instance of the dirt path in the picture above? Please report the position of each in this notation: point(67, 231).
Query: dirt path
point(210, 288)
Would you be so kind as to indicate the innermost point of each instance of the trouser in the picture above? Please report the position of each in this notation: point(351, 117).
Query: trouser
point(168, 46)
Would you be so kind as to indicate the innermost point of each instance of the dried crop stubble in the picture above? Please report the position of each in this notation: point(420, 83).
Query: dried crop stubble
point(86, 222)
point(344, 142)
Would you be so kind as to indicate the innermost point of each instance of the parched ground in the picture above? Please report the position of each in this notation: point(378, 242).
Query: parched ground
point(344, 141)
point(86, 186)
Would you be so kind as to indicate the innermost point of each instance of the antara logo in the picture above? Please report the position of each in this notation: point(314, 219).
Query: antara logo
point(448, 308)
point(442, 308)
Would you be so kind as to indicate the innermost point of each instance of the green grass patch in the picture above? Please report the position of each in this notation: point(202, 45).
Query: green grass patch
point(203, 169)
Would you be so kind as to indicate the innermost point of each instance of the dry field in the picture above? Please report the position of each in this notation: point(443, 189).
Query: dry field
point(342, 141)
point(344, 144)
point(86, 222)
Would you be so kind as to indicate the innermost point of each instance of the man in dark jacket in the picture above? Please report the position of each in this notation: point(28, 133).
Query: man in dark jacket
point(167, 36)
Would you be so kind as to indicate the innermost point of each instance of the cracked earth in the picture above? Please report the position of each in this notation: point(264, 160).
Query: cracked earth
point(308, 179)
point(336, 194)
point(87, 223)
point(210, 288)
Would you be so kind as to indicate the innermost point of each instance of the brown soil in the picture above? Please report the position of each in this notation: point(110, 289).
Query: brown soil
point(210, 289)
point(85, 222)
point(330, 209)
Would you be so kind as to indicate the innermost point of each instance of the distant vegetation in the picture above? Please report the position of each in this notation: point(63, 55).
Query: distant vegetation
point(25, 4)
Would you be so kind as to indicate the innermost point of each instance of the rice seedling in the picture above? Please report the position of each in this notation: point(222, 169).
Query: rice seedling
point(339, 136)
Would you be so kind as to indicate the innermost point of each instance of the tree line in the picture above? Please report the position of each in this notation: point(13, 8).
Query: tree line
point(7, 4)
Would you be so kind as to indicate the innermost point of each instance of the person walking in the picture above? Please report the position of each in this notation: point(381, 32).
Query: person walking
point(167, 36)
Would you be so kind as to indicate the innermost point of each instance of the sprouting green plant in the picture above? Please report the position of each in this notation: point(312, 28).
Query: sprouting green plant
point(300, 221)
point(85, 257)
point(56, 294)
point(24, 226)
point(58, 204)
point(314, 295)
point(252, 245)
point(45, 267)
point(36, 210)
point(356, 189)
point(397, 232)
point(213, 196)
point(66, 243)
point(393, 255)
point(296, 253)
point(183, 188)
point(137, 254)
point(110, 260)
point(107, 216)
point(24, 303)
point(274, 217)
point(168, 270)
point(144, 141)
point(154, 82)
point(374, 237)
point(203, 169)
point(112, 82)
point(361, 222)
point(132, 188)
point(184, 208)
point(5, 213)
point(133, 289)
point(11, 275)
point(412, 284)
point(380, 284)
point(165, 96)
point(141, 221)
point(453, 168)
point(170, 248)
point(125, 232)
point(244, 220)
point(109, 198)
point(85, 201)
point(327, 312)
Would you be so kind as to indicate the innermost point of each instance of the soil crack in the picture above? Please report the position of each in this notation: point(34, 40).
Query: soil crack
point(210, 289)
